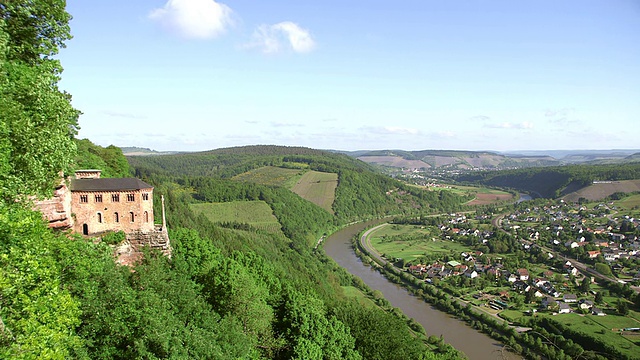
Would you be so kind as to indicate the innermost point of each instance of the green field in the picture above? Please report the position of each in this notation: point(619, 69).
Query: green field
point(355, 293)
point(317, 187)
point(591, 324)
point(410, 242)
point(481, 195)
point(255, 213)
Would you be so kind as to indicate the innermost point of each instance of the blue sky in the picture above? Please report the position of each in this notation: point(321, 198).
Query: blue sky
point(349, 75)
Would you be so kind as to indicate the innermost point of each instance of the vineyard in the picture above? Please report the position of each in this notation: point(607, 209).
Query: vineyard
point(255, 213)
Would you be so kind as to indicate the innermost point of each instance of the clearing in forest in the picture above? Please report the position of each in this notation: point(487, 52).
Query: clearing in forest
point(317, 187)
point(258, 214)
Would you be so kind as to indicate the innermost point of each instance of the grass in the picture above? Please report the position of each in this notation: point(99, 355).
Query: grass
point(355, 293)
point(255, 213)
point(629, 203)
point(317, 187)
point(482, 195)
point(589, 324)
point(410, 242)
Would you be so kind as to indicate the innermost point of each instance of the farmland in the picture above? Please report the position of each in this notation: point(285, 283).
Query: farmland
point(599, 191)
point(482, 195)
point(255, 213)
point(317, 187)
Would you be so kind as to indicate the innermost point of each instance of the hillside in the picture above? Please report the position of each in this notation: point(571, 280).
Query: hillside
point(452, 160)
point(360, 191)
point(600, 190)
point(552, 182)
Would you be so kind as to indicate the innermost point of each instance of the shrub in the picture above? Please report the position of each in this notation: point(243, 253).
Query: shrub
point(114, 237)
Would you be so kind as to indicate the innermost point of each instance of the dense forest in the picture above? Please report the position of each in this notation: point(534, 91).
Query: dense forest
point(225, 292)
point(549, 182)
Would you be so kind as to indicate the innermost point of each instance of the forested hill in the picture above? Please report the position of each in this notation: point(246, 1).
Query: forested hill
point(551, 182)
point(361, 191)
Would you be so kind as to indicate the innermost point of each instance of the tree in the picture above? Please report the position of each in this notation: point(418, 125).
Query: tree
point(37, 121)
point(585, 285)
point(599, 297)
point(622, 307)
point(603, 269)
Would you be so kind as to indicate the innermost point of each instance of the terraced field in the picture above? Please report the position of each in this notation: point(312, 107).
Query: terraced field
point(255, 213)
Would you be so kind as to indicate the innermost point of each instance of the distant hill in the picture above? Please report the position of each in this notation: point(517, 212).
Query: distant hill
point(451, 159)
point(138, 151)
point(555, 181)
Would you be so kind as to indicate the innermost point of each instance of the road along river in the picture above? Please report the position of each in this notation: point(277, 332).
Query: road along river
point(476, 345)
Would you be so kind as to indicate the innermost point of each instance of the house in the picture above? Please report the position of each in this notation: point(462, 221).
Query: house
point(549, 302)
point(563, 308)
point(470, 273)
point(570, 298)
point(585, 304)
point(597, 311)
point(593, 254)
point(523, 274)
point(417, 269)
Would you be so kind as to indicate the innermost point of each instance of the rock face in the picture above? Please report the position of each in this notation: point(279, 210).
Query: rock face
point(57, 210)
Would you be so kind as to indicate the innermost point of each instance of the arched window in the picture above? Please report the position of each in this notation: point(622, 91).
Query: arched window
point(132, 218)
point(116, 217)
point(100, 217)
point(146, 216)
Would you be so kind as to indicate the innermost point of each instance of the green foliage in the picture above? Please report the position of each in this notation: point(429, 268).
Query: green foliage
point(39, 314)
point(37, 121)
point(110, 159)
point(603, 269)
point(114, 237)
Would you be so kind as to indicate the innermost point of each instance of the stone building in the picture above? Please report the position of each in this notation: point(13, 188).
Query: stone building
point(99, 205)
point(91, 206)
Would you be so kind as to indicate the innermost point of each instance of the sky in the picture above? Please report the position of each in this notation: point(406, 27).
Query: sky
point(192, 75)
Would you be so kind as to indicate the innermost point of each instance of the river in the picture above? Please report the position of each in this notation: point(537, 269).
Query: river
point(476, 345)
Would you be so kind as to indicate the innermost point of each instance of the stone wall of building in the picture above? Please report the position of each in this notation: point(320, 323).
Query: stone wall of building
point(57, 210)
point(98, 211)
point(129, 252)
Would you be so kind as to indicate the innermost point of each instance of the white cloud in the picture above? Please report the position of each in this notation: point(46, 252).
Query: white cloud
point(390, 130)
point(507, 125)
point(270, 38)
point(198, 19)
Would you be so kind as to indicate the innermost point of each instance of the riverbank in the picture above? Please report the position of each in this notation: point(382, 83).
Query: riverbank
point(438, 324)
point(497, 328)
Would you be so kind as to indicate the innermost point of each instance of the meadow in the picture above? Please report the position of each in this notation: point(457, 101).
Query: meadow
point(410, 242)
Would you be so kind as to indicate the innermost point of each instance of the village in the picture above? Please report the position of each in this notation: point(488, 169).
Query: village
point(542, 256)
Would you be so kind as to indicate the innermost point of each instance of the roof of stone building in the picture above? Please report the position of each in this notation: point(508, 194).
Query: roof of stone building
point(108, 184)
